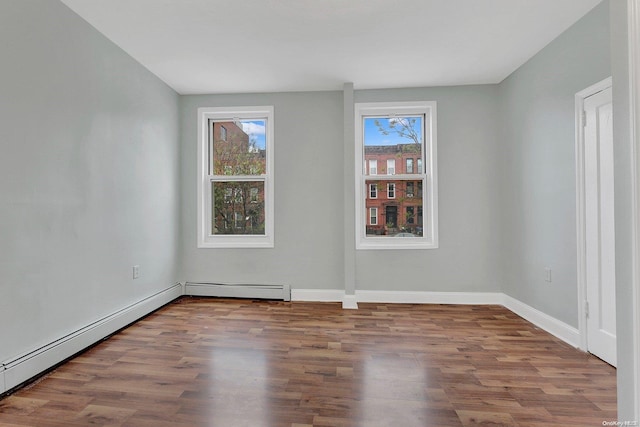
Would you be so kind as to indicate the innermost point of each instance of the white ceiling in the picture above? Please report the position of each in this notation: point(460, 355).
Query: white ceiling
point(235, 46)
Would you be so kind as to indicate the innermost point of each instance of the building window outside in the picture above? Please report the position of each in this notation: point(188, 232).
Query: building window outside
point(235, 187)
point(373, 191)
point(391, 190)
point(373, 216)
point(410, 192)
point(373, 167)
point(391, 166)
point(409, 215)
point(392, 133)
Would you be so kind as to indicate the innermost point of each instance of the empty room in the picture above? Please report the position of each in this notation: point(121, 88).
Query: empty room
point(319, 213)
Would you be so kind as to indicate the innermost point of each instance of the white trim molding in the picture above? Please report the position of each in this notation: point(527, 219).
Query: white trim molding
point(427, 110)
point(21, 368)
point(349, 302)
point(407, 297)
point(580, 205)
point(207, 178)
point(634, 109)
point(555, 327)
point(396, 297)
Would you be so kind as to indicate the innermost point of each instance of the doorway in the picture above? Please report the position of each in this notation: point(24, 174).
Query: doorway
point(596, 231)
point(391, 213)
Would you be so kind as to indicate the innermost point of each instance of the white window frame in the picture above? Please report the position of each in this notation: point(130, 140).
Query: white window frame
point(205, 238)
point(391, 166)
point(373, 170)
point(371, 216)
point(429, 240)
point(373, 191)
point(391, 190)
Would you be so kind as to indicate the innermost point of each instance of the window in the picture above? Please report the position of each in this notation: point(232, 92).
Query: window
point(235, 184)
point(405, 132)
point(391, 166)
point(373, 167)
point(373, 216)
point(410, 189)
point(373, 191)
point(391, 190)
point(409, 215)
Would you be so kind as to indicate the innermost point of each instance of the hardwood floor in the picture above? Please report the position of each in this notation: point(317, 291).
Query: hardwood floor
point(222, 362)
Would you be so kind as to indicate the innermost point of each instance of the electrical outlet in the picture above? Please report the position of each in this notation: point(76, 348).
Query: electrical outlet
point(547, 274)
point(136, 271)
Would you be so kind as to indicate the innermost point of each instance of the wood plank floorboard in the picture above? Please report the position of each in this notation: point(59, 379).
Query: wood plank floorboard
point(233, 363)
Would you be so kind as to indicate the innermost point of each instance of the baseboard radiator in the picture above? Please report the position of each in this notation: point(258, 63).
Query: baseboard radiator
point(276, 292)
point(22, 368)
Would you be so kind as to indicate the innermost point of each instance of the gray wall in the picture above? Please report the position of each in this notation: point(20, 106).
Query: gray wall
point(308, 195)
point(506, 182)
point(468, 201)
point(89, 186)
point(538, 165)
point(309, 206)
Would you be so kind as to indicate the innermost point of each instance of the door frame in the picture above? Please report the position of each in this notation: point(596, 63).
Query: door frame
point(633, 17)
point(580, 205)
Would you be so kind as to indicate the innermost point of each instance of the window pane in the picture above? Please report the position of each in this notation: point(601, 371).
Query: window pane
point(373, 191)
point(391, 141)
point(397, 213)
point(391, 166)
point(238, 207)
point(373, 216)
point(410, 190)
point(239, 147)
point(373, 167)
point(409, 168)
point(391, 190)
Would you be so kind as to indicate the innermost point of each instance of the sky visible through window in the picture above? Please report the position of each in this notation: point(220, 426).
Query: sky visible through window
point(256, 130)
point(392, 130)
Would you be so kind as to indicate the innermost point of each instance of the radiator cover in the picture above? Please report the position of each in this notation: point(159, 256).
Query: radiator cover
point(228, 290)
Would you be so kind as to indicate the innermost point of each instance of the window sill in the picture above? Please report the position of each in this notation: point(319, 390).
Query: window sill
point(384, 243)
point(236, 242)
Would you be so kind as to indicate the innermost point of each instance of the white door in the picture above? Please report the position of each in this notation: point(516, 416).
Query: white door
point(599, 227)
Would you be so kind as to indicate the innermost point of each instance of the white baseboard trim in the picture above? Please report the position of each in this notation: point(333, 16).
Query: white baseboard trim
point(21, 368)
point(407, 297)
point(555, 327)
point(350, 302)
point(399, 297)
